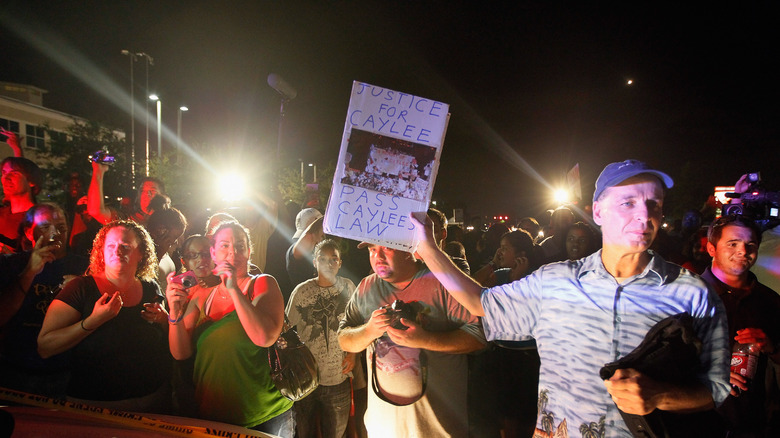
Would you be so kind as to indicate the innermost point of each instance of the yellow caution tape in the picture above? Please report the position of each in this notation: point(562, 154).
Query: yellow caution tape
point(117, 416)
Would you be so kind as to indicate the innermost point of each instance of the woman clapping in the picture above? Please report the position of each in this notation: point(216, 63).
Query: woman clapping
point(120, 356)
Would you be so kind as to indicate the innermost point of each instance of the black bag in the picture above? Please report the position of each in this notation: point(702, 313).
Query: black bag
point(668, 353)
point(293, 367)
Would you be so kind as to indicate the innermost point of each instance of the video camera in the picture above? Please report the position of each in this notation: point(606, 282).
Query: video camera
point(757, 204)
point(102, 157)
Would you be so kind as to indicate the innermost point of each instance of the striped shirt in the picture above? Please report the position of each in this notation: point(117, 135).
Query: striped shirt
point(582, 319)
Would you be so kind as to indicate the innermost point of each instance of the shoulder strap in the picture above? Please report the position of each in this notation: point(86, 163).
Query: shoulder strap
point(207, 303)
point(250, 287)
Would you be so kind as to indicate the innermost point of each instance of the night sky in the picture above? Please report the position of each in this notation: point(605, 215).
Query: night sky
point(533, 89)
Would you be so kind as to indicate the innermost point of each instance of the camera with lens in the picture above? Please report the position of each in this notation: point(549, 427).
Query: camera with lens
point(186, 279)
point(399, 309)
point(756, 204)
point(102, 156)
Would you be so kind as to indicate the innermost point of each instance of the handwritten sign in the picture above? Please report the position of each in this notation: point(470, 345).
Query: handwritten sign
point(387, 165)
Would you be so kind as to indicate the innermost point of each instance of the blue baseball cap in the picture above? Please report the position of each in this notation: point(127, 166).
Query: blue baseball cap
point(616, 173)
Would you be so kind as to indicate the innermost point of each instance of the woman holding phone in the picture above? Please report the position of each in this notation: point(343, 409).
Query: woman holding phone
point(119, 354)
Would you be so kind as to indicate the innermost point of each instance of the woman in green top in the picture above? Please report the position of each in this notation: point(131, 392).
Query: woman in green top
point(228, 329)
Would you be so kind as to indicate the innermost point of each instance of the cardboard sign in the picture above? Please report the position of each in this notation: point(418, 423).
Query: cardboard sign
point(387, 166)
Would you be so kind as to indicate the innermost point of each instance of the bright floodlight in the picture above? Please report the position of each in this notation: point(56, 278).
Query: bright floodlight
point(231, 187)
point(561, 196)
point(154, 97)
point(183, 108)
point(630, 82)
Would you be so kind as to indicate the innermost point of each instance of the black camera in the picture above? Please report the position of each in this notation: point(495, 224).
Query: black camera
point(102, 156)
point(756, 204)
point(399, 309)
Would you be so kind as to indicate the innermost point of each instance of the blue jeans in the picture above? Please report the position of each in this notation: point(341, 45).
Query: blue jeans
point(282, 425)
point(333, 403)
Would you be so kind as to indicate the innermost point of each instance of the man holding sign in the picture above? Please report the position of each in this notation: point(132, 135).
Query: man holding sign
point(593, 311)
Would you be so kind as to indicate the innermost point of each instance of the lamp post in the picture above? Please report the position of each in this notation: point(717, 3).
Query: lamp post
point(149, 61)
point(133, 59)
point(287, 93)
point(178, 131)
point(156, 98)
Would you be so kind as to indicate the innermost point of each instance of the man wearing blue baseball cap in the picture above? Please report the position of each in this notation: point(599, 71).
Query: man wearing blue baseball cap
point(596, 310)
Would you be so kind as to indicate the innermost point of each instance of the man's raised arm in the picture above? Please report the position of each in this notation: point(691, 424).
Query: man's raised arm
point(462, 287)
point(96, 206)
point(13, 142)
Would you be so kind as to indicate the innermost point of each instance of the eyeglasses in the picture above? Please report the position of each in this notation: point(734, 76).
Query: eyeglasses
point(196, 255)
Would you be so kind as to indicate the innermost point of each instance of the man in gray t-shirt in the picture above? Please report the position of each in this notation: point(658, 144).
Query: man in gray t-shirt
point(443, 328)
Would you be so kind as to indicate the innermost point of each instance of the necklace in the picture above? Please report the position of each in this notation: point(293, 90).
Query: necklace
point(226, 295)
point(328, 288)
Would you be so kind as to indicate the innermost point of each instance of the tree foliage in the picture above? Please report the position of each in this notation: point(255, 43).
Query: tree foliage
point(68, 153)
point(293, 189)
point(177, 176)
point(189, 180)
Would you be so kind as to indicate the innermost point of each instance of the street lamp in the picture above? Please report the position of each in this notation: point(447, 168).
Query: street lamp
point(303, 180)
point(156, 98)
point(149, 61)
point(178, 131)
point(133, 59)
point(315, 172)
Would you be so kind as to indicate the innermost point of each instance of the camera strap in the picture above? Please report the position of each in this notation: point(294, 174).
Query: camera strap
point(403, 371)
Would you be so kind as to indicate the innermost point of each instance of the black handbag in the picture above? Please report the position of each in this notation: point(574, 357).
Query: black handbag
point(293, 367)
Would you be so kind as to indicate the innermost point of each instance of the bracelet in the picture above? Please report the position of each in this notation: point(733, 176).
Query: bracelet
point(84, 328)
point(175, 321)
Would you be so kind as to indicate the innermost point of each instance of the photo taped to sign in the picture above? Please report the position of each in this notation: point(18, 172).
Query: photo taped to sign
point(388, 165)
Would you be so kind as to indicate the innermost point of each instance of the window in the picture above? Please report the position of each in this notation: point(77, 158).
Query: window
point(36, 137)
point(58, 137)
point(10, 125)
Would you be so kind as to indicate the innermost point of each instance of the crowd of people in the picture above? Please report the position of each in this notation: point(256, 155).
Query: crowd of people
point(505, 332)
